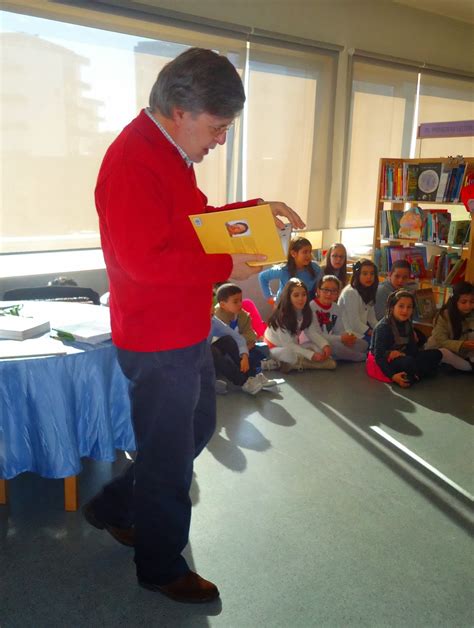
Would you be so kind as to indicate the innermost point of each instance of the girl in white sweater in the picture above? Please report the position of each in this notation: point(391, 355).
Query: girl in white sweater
point(328, 317)
point(357, 300)
point(292, 316)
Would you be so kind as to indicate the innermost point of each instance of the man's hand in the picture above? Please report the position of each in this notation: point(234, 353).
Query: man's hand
point(281, 209)
point(241, 269)
point(318, 357)
point(244, 363)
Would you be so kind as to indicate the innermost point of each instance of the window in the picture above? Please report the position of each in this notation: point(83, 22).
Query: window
point(70, 86)
point(444, 99)
point(388, 101)
point(63, 103)
point(291, 95)
point(381, 122)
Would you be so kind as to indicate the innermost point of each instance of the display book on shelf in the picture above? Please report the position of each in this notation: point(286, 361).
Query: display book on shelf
point(413, 222)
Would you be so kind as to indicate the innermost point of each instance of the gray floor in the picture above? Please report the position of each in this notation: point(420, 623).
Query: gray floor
point(302, 516)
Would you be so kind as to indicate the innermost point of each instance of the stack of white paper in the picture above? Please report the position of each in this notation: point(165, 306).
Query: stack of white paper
point(90, 332)
point(22, 327)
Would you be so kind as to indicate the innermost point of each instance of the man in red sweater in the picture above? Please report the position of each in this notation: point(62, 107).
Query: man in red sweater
point(160, 299)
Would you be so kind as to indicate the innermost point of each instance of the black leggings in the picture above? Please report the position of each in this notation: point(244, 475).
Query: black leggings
point(225, 354)
point(423, 364)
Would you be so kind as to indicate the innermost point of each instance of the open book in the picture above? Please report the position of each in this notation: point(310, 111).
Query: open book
point(249, 230)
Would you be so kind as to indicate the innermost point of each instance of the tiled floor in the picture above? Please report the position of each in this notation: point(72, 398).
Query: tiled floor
point(302, 516)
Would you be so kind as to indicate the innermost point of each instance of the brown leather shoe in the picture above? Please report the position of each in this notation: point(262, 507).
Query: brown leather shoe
point(190, 588)
point(125, 536)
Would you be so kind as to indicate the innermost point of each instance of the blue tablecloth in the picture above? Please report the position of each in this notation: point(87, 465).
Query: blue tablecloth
point(56, 410)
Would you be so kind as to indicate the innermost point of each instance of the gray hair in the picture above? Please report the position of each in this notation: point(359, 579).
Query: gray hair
point(198, 81)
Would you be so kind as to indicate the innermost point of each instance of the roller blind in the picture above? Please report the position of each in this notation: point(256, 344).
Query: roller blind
point(381, 121)
point(67, 91)
point(445, 99)
point(289, 126)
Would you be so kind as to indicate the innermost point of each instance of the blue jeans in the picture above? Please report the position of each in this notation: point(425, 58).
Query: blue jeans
point(174, 416)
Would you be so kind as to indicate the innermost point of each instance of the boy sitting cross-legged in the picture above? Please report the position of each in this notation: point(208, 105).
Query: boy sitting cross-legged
point(229, 310)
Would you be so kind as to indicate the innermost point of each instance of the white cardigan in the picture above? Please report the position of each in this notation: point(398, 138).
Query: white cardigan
point(356, 315)
point(283, 338)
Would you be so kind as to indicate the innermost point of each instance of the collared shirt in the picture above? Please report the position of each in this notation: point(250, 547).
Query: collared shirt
point(188, 161)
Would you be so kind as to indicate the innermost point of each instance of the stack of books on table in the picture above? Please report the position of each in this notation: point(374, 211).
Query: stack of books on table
point(22, 327)
point(91, 332)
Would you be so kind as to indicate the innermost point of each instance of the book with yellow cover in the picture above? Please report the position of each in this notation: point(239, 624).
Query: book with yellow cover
point(249, 230)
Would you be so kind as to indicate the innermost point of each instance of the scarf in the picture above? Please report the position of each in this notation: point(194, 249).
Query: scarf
point(402, 333)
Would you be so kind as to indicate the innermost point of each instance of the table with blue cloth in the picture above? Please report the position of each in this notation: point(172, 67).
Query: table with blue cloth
point(56, 410)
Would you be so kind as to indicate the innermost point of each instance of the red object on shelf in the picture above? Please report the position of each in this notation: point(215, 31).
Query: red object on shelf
point(467, 197)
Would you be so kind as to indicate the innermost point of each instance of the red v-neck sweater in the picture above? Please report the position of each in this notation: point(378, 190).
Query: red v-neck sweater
point(160, 278)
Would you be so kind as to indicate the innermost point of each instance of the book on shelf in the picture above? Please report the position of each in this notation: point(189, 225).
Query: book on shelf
point(411, 224)
point(390, 223)
point(443, 222)
point(90, 332)
point(248, 230)
point(436, 181)
point(13, 327)
point(434, 227)
point(428, 181)
point(458, 231)
point(417, 263)
point(443, 265)
point(446, 170)
point(457, 272)
point(411, 181)
point(468, 174)
point(415, 255)
point(425, 304)
point(457, 184)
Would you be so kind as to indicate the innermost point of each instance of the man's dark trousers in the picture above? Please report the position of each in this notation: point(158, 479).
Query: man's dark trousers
point(174, 416)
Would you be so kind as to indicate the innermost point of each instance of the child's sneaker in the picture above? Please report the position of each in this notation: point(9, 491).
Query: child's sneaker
point(270, 364)
point(252, 386)
point(266, 383)
point(221, 387)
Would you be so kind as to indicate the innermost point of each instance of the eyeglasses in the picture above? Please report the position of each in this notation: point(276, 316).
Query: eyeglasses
point(219, 130)
point(329, 290)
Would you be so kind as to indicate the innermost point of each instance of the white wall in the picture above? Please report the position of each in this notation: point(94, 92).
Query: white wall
point(377, 25)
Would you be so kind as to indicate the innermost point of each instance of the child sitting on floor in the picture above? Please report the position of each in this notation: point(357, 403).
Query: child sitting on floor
point(345, 345)
point(394, 354)
point(357, 300)
point(336, 262)
point(454, 327)
point(300, 264)
point(230, 355)
point(398, 277)
point(229, 311)
point(291, 317)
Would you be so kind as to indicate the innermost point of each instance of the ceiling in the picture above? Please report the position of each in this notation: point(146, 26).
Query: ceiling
point(462, 10)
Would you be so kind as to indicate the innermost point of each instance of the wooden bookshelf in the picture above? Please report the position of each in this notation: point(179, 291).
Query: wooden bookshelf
point(397, 197)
